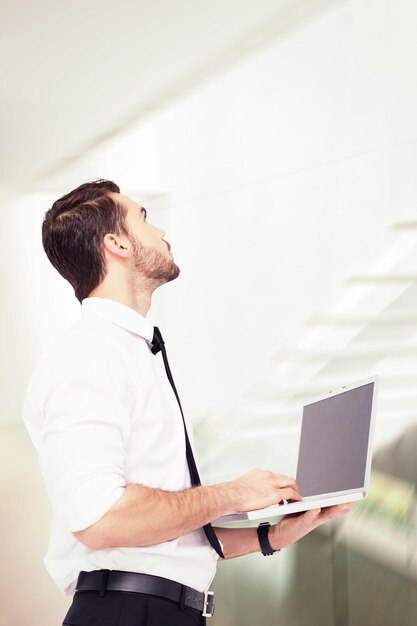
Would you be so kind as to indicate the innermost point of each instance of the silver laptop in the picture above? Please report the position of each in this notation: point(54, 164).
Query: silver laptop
point(334, 457)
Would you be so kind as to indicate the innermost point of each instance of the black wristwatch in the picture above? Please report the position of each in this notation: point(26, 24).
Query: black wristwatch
point(263, 530)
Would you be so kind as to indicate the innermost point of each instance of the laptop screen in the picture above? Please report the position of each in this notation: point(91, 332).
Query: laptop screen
point(334, 442)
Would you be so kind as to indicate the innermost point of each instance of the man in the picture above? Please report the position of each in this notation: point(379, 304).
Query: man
point(131, 532)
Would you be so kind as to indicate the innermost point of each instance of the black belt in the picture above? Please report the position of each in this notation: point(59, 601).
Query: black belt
point(115, 580)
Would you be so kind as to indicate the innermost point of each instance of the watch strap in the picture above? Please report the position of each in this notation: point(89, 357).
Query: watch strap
point(263, 530)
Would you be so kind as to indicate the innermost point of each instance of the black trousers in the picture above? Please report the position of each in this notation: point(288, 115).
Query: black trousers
point(121, 608)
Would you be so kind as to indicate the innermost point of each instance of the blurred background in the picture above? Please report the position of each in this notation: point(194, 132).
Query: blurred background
point(276, 143)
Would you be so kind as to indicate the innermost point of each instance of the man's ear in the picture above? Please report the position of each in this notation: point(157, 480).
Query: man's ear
point(112, 244)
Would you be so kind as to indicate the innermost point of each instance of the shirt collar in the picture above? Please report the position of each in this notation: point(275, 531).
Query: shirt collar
point(119, 314)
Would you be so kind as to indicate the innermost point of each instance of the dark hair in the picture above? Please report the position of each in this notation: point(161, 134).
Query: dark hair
point(73, 230)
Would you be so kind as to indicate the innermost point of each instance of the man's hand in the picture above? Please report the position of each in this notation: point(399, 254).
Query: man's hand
point(293, 527)
point(260, 488)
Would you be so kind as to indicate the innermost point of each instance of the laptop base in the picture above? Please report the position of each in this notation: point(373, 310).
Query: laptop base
point(313, 502)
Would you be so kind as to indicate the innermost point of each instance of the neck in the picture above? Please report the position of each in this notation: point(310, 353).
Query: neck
point(139, 300)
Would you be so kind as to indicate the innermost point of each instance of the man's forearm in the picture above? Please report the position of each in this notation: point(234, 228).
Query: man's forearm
point(238, 541)
point(144, 516)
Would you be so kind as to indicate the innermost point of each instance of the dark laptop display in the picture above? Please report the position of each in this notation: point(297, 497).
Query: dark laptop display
point(334, 442)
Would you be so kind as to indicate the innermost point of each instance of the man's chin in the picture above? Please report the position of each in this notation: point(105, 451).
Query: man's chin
point(175, 272)
point(169, 274)
point(156, 266)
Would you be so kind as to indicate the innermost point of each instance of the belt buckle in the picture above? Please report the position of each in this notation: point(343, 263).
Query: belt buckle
point(208, 611)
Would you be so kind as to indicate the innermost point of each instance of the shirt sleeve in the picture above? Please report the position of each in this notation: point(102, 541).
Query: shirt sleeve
point(86, 422)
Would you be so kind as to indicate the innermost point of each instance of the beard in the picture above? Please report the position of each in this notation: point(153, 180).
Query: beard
point(152, 264)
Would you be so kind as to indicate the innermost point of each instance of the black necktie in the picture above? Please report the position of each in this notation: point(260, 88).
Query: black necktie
point(158, 345)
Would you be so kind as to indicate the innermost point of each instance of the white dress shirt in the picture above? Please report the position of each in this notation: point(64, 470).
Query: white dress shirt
point(101, 413)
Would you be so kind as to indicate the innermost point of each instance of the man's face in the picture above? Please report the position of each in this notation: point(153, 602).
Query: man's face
point(151, 253)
